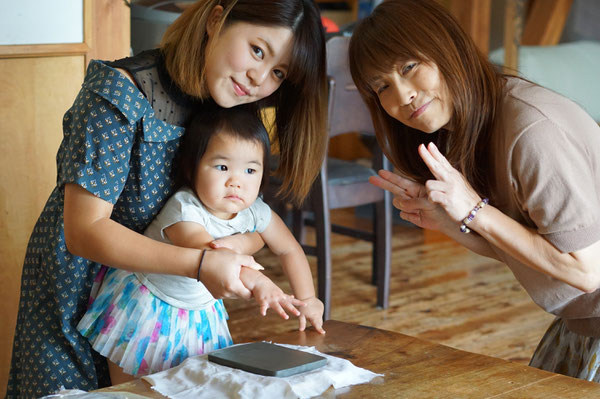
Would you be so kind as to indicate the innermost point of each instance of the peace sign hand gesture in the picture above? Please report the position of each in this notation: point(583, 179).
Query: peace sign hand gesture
point(439, 204)
point(450, 189)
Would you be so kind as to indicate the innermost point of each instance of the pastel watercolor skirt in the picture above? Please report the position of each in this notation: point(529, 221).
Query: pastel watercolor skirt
point(564, 352)
point(143, 334)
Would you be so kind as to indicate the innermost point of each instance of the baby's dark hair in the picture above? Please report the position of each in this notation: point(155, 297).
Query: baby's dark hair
point(209, 121)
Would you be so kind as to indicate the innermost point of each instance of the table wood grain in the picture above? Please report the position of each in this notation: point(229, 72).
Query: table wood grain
point(414, 368)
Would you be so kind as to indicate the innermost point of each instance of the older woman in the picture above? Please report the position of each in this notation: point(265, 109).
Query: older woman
point(507, 168)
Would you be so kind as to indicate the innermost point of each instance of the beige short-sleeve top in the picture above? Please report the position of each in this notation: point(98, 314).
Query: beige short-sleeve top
point(546, 152)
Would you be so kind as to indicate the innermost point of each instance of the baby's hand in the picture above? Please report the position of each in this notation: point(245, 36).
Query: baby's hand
point(268, 295)
point(313, 311)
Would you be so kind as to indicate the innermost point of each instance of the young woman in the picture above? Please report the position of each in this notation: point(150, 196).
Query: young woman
point(114, 169)
point(507, 168)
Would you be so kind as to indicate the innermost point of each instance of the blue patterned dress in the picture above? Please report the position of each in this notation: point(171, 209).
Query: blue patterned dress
point(119, 143)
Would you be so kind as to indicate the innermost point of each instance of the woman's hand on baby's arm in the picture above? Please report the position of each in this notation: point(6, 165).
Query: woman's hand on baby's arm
point(313, 311)
point(221, 273)
point(247, 243)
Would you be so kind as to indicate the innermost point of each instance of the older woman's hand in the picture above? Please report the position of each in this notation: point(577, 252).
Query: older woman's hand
point(450, 190)
point(411, 199)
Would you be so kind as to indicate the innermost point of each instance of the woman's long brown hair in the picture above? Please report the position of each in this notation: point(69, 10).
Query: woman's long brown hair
point(423, 30)
point(300, 102)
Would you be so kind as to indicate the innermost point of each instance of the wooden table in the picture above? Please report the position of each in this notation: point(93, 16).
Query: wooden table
point(415, 368)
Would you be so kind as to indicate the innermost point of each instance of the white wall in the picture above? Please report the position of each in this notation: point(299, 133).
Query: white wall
point(41, 21)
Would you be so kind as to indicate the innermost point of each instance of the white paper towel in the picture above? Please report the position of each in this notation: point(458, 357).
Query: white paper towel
point(197, 378)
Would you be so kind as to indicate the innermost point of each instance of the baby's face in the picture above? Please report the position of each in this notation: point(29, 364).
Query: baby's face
point(229, 175)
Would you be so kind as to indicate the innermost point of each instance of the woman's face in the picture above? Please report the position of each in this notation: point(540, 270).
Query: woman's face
point(247, 62)
point(415, 94)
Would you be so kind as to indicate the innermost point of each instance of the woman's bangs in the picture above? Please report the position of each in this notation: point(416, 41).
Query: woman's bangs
point(371, 60)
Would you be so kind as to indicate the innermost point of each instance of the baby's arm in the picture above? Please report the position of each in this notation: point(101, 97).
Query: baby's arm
point(293, 260)
point(188, 235)
point(264, 291)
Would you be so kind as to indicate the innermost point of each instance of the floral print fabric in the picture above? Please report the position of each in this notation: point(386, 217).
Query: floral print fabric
point(114, 147)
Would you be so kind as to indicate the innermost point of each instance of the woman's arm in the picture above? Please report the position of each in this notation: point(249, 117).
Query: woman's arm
point(91, 234)
point(580, 269)
point(473, 242)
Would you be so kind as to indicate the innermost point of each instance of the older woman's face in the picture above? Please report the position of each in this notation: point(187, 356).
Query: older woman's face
point(247, 63)
point(415, 94)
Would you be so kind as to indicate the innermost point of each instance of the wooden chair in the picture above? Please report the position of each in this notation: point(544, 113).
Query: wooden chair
point(344, 184)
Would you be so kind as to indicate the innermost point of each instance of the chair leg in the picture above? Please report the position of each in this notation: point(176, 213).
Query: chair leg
point(298, 229)
point(323, 228)
point(374, 257)
point(382, 249)
point(323, 247)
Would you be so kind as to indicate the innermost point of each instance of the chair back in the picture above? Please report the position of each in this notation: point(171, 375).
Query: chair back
point(347, 112)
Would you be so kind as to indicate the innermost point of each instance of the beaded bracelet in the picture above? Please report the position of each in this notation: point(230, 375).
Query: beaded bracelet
point(471, 216)
point(200, 265)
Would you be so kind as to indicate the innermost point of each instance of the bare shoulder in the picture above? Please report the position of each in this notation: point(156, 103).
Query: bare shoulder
point(127, 75)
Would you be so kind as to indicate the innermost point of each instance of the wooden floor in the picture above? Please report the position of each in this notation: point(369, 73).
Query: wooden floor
point(439, 291)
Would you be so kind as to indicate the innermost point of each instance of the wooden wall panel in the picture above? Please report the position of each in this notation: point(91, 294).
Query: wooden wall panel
point(31, 110)
point(110, 33)
point(545, 22)
point(474, 17)
point(513, 30)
